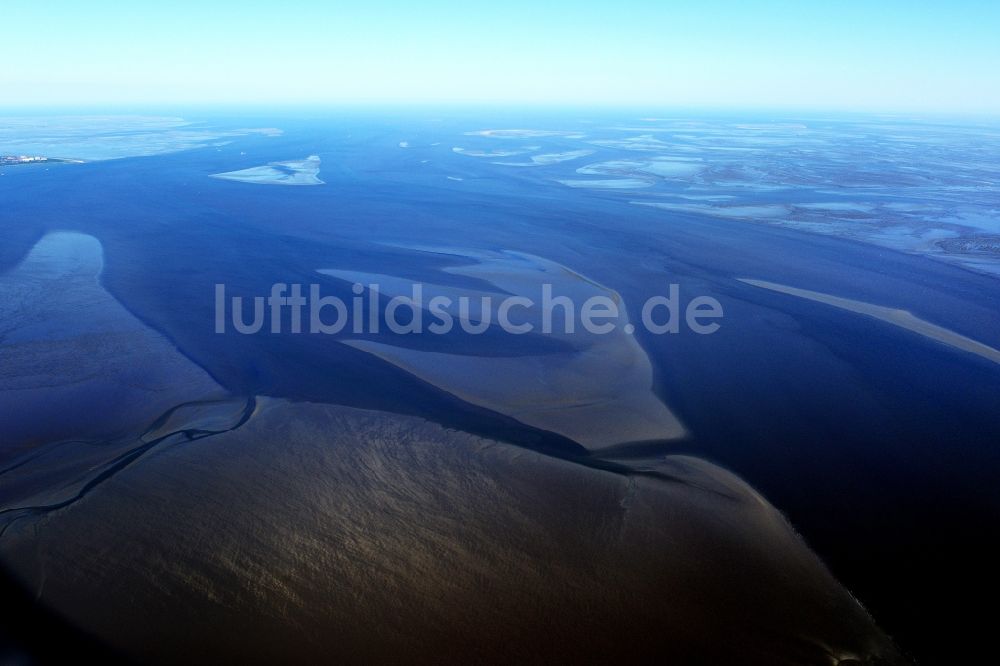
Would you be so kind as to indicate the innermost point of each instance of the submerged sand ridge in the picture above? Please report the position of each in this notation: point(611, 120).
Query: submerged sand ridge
point(598, 392)
point(289, 172)
point(547, 159)
point(80, 376)
point(74, 363)
point(896, 317)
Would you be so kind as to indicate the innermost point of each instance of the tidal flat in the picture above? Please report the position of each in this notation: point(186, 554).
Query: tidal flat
point(451, 547)
point(875, 443)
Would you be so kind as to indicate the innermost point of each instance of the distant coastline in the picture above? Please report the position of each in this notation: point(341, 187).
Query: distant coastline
point(11, 160)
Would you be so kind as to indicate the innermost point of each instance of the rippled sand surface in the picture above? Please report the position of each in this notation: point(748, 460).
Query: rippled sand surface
point(319, 532)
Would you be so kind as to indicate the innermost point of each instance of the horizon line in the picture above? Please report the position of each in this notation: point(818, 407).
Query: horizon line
point(126, 108)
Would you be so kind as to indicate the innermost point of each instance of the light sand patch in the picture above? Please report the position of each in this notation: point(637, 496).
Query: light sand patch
point(65, 342)
point(772, 127)
point(494, 153)
point(94, 138)
point(79, 374)
point(598, 392)
point(608, 184)
point(663, 167)
point(291, 172)
point(894, 316)
point(670, 168)
point(978, 220)
point(729, 212)
point(644, 143)
point(837, 207)
point(524, 133)
point(880, 224)
point(705, 197)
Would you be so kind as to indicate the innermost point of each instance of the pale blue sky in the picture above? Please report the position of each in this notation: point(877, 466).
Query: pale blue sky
point(858, 55)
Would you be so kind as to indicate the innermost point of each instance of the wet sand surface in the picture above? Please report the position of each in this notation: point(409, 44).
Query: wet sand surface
point(597, 392)
point(325, 532)
point(74, 363)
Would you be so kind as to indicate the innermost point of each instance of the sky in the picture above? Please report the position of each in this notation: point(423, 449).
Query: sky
point(872, 55)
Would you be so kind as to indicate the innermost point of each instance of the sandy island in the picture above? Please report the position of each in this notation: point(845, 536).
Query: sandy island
point(291, 172)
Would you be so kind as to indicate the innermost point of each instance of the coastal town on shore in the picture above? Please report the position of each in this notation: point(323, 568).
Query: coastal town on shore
point(10, 160)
